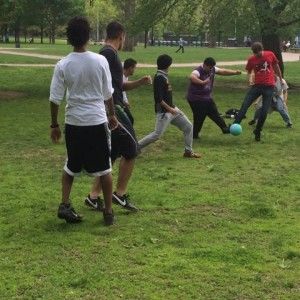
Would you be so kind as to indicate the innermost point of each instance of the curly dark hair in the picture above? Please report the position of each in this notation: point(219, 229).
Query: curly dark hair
point(164, 61)
point(78, 31)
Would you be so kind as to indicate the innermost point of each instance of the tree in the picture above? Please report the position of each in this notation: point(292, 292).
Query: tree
point(100, 12)
point(272, 17)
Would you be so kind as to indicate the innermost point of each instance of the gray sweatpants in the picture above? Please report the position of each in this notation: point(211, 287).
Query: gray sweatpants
point(162, 122)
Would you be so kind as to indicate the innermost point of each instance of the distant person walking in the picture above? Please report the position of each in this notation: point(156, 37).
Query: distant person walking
point(265, 66)
point(181, 45)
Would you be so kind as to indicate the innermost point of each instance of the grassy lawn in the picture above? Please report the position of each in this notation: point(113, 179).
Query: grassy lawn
point(149, 54)
point(222, 227)
point(17, 59)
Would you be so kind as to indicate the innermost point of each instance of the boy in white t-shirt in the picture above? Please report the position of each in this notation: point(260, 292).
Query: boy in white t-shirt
point(86, 79)
point(279, 103)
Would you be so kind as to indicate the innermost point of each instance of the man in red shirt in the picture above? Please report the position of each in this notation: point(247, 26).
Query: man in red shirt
point(264, 64)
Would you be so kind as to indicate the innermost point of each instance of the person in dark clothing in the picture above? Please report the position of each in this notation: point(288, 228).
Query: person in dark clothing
point(200, 97)
point(123, 140)
point(166, 112)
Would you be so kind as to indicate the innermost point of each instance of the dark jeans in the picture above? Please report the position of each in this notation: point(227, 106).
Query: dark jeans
point(201, 109)
point(180, 48)
point(254, 92)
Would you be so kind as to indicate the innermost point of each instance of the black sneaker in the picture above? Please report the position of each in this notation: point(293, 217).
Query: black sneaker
point(226, 130)
point(123, 201)
point(108, 218)
point(67, 212)
point(96, 204)
point(289, 125)
point(256, 135)
point(252, 122)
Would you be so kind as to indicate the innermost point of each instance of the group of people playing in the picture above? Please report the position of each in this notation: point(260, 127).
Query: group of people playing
point(98, 121)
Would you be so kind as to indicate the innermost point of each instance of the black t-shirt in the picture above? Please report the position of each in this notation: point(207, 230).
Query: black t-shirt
point(116, 71)
point(162, 91)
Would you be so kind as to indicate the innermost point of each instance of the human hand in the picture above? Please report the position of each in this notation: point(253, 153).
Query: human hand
point(175, 111)
point(206, 81)
point(238, 72)
point(113, 122)
point(146, 80)
point(55, 134)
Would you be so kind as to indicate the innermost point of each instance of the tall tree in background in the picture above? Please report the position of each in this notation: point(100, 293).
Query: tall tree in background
point(272, 17)
point(100, 13)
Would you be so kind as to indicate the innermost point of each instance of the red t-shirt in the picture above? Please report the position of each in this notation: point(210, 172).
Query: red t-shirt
point(263, 67)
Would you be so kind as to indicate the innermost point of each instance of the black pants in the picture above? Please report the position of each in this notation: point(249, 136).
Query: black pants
point(201, 109)
point(254, 92)
point(180, 48)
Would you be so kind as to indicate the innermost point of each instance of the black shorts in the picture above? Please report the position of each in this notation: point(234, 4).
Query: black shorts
point(123, 140)
point(88, 148)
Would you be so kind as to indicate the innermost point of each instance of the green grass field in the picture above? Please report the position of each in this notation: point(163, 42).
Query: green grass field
point(148, 55)
point(222, 227)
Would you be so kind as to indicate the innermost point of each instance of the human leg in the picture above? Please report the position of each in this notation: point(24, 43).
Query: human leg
point(183, 123)
point(281, 108)
point(267, 94)
point(253, 93)
point(214, 115)
point(199, 110)
point(162, 122)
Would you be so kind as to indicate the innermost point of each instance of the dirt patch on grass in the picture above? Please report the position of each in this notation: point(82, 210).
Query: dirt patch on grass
point(8, 95)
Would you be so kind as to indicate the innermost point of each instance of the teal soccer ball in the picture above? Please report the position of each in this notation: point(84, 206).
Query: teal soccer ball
point(235, 129)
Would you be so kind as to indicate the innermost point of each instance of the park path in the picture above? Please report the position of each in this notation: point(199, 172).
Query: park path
point(287, 57)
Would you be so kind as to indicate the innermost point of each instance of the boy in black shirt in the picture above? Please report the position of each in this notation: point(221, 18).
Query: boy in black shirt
point(123, 140)
point(166, 111)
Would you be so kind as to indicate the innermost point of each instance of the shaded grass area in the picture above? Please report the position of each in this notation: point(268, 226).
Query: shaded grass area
point(222, 227)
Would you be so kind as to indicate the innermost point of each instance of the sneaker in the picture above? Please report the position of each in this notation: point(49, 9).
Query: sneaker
point(226, 130)
point(252, 122)
point(96, 204)
point(123, 201)
point(289, 125)
point(190, 154)
point(67, 212)
point(108, 218)
point(256, 134)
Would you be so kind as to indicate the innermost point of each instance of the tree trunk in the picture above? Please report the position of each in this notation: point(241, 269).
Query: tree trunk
point(271, 42)
point(129, 9)
point(146, 39)
point(268, 21)
point(17, 34)
point(42, 34)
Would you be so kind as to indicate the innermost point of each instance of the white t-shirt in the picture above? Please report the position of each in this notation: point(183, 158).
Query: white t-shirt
point(125, 99)
point(87, 79)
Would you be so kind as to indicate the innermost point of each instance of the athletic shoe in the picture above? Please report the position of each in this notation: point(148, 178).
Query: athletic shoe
point(108, 218)
point(289, 125)
point(252, 122)
point(123, 201)
point(67, 212)
point(226, 130)
point(96, 204)
point(190, 154)
point(256, 134)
